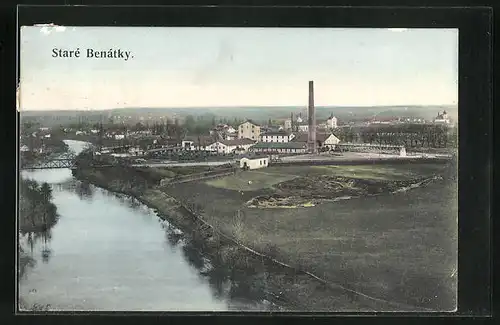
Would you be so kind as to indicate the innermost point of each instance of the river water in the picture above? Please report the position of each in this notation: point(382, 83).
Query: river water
point(108, 252)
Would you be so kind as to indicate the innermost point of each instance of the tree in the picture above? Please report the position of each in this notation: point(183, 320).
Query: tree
point(189, 123)
point(139, 126)
point(199, 129)
point(46, 192)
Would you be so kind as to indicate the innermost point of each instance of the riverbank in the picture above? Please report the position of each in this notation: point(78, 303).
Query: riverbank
point(381, 265)
point(37, 216)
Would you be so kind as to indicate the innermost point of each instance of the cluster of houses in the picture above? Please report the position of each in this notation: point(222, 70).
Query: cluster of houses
point(252, 137)
point(249, 137)
point(117, 135)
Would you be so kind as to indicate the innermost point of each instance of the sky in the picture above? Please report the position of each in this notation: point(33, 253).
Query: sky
point(196, 67)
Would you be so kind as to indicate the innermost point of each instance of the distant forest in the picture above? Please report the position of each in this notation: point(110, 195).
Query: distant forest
point(229, 114)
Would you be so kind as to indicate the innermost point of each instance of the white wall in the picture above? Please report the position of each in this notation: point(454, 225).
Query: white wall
point(245, 131)
point(220, 147)
point(275, 138)
point(255, 163)
point(332, 122)
point(331, 140)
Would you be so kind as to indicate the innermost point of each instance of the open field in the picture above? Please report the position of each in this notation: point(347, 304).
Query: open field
point(400, 247)
point(250, 180)
point(388, 173)
point(375, 171)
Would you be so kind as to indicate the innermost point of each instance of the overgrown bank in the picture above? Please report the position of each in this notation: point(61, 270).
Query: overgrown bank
point(37, 215)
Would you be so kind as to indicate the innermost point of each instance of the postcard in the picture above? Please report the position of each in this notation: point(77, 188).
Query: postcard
point(237, 169)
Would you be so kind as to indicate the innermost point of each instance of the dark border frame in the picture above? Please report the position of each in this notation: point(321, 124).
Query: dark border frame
point(475, 107)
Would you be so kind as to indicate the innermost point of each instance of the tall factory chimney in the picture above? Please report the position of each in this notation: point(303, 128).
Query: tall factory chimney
point(311, 141)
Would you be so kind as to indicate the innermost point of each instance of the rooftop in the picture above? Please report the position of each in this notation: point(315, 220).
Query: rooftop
point(251, 122)
point(237, 142)
point(282, 133)
point(280, 145)
point(203, 140)
point(303, 137)
point(255, 156)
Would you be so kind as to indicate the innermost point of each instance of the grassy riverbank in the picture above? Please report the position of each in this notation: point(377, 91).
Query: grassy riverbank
point(397, 247)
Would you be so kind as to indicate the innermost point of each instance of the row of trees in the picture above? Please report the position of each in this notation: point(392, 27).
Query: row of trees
point(408, 135)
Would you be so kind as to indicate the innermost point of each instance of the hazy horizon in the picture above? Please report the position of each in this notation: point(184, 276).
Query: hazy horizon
point(238, 67)
point(243, 106)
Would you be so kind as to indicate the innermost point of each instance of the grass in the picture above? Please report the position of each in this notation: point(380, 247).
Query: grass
point(367, 172)
point(376, 171)
point(400, 247)
point(400, 172)
point(249, 181)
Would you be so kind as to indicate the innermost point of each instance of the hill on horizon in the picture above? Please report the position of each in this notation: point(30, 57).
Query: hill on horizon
point(251, 112)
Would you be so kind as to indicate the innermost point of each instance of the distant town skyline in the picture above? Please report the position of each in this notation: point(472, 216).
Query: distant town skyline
point(237, 67)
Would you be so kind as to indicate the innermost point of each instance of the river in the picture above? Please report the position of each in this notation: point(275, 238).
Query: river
point(109, 252)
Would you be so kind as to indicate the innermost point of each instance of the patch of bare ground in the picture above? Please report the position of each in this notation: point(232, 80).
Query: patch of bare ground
point(314, 190)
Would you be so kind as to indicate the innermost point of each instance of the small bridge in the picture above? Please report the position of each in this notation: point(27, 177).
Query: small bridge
point(66, 160)
point(63, 161)
point(51, 164)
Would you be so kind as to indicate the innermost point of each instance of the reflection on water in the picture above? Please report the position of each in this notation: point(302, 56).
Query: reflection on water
point(110, 252)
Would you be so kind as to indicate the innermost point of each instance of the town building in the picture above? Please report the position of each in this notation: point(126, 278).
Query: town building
point(303, 127)
point(249, 130)
point(222, 146)
point(254, 162)
point(287, 124)
point(331, 122)
point(442, 118)
point(279, 147)
point(231, 146)
point(198, 143)
point(279, 136)
point(323, 140)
